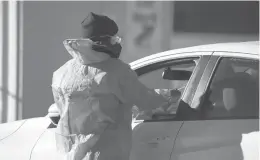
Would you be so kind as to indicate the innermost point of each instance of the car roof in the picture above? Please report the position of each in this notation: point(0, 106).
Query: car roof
point(249, 47)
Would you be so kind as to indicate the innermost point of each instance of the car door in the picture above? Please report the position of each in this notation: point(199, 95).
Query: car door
point(153, 139)
point(227, 106)
point(45, 147)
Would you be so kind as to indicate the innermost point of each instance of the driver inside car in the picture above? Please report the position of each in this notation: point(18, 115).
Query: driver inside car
point(175, 88)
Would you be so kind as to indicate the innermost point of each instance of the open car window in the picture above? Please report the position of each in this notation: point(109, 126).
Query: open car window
point(153, 78)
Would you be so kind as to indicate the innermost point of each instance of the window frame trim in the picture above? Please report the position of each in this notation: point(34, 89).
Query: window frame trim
point(164, 64)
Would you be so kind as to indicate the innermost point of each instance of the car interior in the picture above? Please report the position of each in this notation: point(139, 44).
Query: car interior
point(234, 91)
point(170, 82)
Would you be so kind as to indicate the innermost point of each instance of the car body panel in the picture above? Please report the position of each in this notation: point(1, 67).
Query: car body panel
point(46, 144)
point(8, 129)
point(19, 145)
point(150, 143)
point(212, 139)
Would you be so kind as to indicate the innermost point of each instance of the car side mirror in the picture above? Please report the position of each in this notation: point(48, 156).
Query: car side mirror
point(53, 113)
point(170, 74)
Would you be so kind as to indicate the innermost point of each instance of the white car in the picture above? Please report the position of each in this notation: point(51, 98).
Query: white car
point(215, 117)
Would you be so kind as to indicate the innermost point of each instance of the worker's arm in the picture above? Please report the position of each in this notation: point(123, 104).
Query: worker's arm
point(133, 91)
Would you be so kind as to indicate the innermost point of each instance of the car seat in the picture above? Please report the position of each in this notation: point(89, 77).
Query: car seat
point(214, 106)
point(240, 95)
point(246, 96)
point(233, 96)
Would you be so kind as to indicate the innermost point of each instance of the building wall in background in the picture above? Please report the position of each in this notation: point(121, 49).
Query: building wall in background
point(149, 24)
point(181, 40)
point(9, 61)
point(206, 22)
point(1, 60)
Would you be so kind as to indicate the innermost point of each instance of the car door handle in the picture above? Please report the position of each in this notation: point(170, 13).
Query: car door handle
point(159, 139)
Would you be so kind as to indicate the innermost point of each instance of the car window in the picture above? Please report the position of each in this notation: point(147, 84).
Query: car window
point(233, 91)
point(153, 79)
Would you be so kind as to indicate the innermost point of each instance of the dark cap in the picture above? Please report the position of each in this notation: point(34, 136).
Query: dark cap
point(95, 25)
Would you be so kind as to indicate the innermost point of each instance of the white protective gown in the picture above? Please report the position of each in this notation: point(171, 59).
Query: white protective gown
point(95, 100)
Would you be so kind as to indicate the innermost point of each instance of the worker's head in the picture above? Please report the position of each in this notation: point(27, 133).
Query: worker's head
point(102, 30)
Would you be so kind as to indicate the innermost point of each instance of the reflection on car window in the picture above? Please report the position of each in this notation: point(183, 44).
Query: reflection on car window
point(169, 88)
point(234, 90)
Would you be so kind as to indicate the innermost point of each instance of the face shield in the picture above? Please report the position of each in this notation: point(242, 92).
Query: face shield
point(110, 45)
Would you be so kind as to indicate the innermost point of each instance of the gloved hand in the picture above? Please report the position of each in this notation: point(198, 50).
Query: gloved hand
point(149, 113)
point(162, 109)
